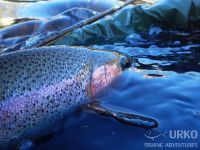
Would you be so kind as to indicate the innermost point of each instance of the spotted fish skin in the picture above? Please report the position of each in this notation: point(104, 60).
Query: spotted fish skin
point(39, 86)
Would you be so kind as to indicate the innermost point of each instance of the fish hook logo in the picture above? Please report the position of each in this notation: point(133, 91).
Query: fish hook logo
point(154, 134)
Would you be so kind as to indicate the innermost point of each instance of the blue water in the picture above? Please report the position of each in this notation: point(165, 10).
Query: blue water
point(32, 21)
point(163, 83)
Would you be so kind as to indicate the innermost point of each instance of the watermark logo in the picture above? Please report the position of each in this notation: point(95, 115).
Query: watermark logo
point(155, 134)
point(173, 135)
point(183, 134)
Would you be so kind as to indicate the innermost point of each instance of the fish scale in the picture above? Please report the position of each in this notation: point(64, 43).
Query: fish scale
point(46, 67)
point(39, 86)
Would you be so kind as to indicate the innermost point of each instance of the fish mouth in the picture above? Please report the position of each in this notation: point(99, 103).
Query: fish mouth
point(103, 76)
point(126, 62)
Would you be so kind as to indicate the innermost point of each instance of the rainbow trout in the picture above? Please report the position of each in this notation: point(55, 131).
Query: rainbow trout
point(39, 86)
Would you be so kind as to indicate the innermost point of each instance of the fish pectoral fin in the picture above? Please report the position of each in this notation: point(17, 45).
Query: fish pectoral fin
point(123, 117)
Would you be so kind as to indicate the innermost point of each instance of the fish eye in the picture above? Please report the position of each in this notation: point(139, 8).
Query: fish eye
point(126, 62)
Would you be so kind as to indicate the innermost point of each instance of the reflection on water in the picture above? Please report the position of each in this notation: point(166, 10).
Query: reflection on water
point(30, 29)
point(13, 11)
point(163, 83)
point(22, 21)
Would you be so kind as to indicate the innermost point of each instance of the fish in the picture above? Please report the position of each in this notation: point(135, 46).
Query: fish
point(39, 86)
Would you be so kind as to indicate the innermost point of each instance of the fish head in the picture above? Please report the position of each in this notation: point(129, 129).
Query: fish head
point(106, 67)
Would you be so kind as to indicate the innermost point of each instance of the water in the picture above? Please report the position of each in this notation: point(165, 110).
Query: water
point(163, 83)
point(21, 21)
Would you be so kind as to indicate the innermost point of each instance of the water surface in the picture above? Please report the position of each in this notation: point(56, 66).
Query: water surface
point(163, 83)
